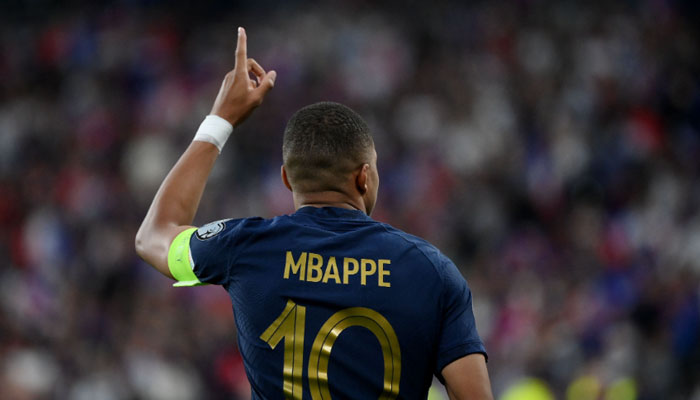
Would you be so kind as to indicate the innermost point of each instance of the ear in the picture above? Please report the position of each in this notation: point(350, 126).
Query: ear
point(361, 179)
point(285, 179)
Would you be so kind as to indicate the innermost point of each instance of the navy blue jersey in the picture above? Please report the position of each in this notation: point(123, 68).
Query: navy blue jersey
point(330, 303)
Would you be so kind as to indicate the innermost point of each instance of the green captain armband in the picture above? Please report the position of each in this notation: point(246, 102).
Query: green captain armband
point(180, 262)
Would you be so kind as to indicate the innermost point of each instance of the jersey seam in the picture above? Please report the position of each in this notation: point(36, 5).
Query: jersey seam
point(232, 261)
point(416, 247)
point(437, 271)
point(442, 279)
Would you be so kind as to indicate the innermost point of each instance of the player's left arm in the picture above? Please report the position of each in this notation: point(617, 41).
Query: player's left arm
point(468, 379)
point(177, 199)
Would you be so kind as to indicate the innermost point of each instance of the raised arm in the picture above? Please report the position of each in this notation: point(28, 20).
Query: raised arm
point(467, 378)
point(177, 199)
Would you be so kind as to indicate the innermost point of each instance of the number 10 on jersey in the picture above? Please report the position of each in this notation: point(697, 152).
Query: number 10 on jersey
point(290, 326)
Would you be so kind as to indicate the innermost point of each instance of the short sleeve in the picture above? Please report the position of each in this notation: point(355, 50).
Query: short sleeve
point(458, 336)
point(204, 255)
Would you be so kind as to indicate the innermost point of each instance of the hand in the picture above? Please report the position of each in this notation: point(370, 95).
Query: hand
point(239, 94)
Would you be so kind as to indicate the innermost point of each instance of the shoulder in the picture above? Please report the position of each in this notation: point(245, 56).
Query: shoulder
point(238, 230)
point(432, 254)
point(225, 229)
point(213, 229)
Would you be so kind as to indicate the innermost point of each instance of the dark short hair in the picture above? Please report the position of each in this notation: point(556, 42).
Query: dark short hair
point(323, 142)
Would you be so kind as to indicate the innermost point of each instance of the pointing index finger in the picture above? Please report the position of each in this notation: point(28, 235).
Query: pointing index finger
point(241, 52)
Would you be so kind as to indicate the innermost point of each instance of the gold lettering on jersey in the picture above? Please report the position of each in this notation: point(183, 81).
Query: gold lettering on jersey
point(367, 271)
point(347, 271)
point(331, 271)
point(296, 267)
point(313, 267)
point(313, 272)
point(383, 272)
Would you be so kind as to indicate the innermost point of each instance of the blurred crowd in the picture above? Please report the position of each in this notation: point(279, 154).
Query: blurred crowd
point(551, 149)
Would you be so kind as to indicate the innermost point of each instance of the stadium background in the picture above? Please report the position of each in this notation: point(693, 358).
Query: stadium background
point(552, 149)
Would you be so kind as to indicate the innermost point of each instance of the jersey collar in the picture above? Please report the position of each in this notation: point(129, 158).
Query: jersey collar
point(332, 212)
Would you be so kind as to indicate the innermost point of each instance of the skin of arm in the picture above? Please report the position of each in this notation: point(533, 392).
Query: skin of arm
point(175, 204)
point(468, 378)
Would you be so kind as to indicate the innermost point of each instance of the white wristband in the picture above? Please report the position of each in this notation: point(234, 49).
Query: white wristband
point(214, 130)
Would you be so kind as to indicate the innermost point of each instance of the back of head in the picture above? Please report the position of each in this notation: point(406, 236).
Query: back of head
point(323, 143)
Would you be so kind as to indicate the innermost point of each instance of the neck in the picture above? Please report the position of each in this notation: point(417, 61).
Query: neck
point(328, 199)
